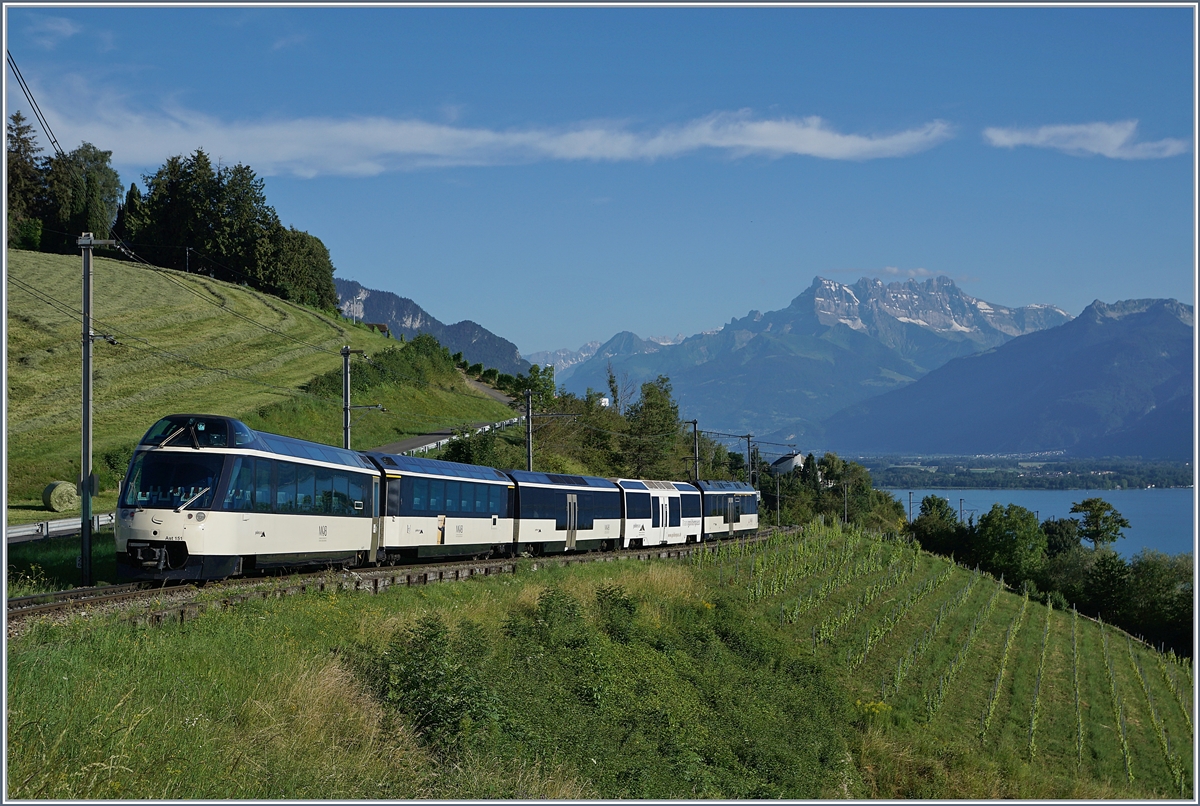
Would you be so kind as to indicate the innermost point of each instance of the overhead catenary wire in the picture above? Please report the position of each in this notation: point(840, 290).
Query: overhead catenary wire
point(33, 104)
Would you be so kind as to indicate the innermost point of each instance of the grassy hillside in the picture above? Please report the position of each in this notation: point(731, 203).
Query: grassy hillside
point(187, 343)
point(823, 664)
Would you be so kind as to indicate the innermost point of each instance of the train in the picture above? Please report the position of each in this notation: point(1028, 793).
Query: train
point(206, 497)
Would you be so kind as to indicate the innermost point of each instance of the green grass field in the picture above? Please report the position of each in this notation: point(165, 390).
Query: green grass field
point(187, 344)
point(765, 671)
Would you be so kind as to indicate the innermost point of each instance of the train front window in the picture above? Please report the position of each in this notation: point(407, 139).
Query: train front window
point(166, 480)
point(193, 432)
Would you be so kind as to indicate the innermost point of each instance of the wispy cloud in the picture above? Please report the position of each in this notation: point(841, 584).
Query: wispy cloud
point(1115, 140)
point(366, 146)
point(47, 32)
point(288, 41)
point(892, 271)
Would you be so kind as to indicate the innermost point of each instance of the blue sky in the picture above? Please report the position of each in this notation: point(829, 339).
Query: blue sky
point(562, 174)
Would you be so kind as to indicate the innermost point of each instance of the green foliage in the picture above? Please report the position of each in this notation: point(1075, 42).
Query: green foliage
point(1062, 535)
point(1102, 524)
point(81, 195)
point(24, 183)
point(1010, 542)
point(473, 449)
point(653, 432)
point(434, 684)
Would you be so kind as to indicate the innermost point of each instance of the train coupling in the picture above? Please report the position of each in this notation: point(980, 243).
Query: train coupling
point(159, 556)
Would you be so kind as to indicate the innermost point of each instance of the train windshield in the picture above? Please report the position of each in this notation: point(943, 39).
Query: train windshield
point(164, 480)
point(194, 432)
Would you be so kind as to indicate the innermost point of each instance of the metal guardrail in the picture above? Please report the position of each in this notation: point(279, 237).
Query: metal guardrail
point(433, 446)
point(59, 528)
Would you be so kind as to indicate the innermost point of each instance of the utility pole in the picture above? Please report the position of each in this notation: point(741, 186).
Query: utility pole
point(696, 450)
point(749, 469)
point(87, 481)
point(777, 505)
point(529, 430)
point(845, 504)
point(960, 502)
point(346, 351)
point(910, 506)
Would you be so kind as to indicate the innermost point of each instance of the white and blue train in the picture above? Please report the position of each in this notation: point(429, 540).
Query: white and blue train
point(206, 497)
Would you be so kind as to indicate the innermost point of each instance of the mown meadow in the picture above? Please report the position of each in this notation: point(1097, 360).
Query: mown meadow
point(189, 343)
point(824, 662)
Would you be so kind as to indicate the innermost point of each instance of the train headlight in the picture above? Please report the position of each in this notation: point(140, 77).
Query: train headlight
point(200, 516)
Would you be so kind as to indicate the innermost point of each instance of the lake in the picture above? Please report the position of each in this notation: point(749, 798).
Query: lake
point(1160, 519)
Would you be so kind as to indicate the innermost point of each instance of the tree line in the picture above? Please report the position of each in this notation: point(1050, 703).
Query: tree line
point(1149, 596)
point(193, 216)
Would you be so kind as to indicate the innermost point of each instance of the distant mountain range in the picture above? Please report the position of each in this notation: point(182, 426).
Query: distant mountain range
point(402, 315)
point(1117, 380)
point(783, 372)
point(564, 359)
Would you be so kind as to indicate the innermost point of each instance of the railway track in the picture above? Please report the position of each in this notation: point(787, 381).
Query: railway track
point(177, 603)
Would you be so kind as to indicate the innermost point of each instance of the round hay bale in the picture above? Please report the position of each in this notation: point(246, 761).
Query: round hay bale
point(59, 496)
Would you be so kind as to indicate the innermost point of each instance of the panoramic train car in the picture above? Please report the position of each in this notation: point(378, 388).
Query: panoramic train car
point(558, 512)
point(205, 497)
point(654, 513)
point(435, 508)
point(730, 508)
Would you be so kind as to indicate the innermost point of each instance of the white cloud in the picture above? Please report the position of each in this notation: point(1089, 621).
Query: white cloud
point(892, 271)
point(365, 146)
point(49, 31)
point(1115, 140)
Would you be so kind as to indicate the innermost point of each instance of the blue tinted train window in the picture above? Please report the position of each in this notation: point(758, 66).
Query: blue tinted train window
point(672, 511)
point(560, 511)
point(586, 513)
point(498, 501)
point(437, 491)
point(395, 494)
point(637, 505)
point(690, 506)
point(285, 489)
point(419, 502)
point(451, 504)
point(240, 495)
point(655, 510)
point(467, 496)
point(607, 505)
point(357, 495)
point(166, 480)
point(305, 488)
point(341, 494)
point(481, 498)
point(323, 499)
point(263, 470)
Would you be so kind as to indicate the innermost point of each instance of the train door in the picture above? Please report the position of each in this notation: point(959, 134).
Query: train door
point(441, 527)
point(376, 523)
point(658, 520)
point(731, 512)
point(572, 519)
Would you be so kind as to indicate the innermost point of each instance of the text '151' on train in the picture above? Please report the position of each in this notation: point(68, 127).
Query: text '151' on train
point(205, 497)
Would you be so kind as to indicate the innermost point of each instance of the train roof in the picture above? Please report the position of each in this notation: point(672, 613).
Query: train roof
point(216, 431)
point(436, 467)
point(649, 484)
point(561, 479)
point(726, 487)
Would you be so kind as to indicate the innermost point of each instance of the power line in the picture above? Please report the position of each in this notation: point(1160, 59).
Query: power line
point(33, 103)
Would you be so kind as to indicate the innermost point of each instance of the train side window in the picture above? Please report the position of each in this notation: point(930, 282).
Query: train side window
point(341, 494)
point(306, 479)
point(394, 490)
point(451, 504)
point(285, 489)
point(689, 506)
point(637, 505)
point(357, 497)
point(263, 470)
point(585, 518)
point(498, 500)
point(323, 500)
point(241, 485)
point(655, 510)
point(437, 489)
point(467, 500)
point(482, 493)
point(672, 512)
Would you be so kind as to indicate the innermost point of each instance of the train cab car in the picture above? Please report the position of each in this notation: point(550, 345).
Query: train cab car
point(559, 512)
point(730, 508)
point(206, 497)
point(654, 513)
point(435, 509)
